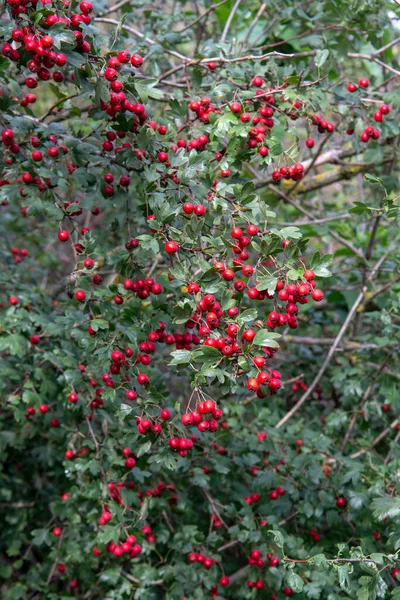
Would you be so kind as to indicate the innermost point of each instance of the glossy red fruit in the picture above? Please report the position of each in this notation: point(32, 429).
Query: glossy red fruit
point(80, 295)
point(341, 502)
point(364, 82)
point(171, 247)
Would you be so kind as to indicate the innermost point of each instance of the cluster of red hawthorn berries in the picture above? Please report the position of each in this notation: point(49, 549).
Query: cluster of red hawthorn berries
point(118, 99)
point(200, 416)
point(295, 173)
point(315, 535)
point(129, 547)
point(19, 254)
point(200, 558)
point(36, 49)
point(181, 445)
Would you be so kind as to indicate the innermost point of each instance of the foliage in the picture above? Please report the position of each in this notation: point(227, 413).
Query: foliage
point(199, 322)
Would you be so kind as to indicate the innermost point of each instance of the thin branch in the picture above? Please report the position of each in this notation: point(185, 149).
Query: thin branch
point(167, 520)
point(378, 439)
point(260, 11)
point(200, 17)
point(115, 7)
point(290, 201)
point(330, 561)
point(229, 21)
point(313, 222)
point(312, 341)
point(384, 48)
point(50, 110)
point(141, 36)
point(222, 60)
point(389, 454)
point(336, 343)
point(373, 58)
point(214, 507)
point(365, 397)
point(136, 580)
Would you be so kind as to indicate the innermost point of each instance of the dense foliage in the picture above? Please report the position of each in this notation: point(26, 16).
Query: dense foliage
point(199, 286)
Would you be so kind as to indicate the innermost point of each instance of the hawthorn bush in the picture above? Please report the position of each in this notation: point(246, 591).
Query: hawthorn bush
point(200, 297)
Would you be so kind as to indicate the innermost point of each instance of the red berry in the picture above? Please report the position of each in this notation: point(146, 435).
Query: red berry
point(171, 247)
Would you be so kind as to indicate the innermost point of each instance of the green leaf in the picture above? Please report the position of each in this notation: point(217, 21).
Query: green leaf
point(321, 57)
point(267, 282)
point(383, 508)
point(248, 315)
point(320, 560)
point(278, 538)
point(295, 582)
point(266, 338)
point(143, 449)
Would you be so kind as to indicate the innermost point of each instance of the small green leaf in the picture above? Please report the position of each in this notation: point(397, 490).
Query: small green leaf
point(295, 582)
point(266, 338)
point(321, 57)
point(278, 538)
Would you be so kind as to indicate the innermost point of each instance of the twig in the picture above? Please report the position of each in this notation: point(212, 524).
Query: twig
point(384, 48)
point(54, 565)
point(335, 344)
point(365, 397)
point(389, 454)
point(214, 507)
point(330, 561)
point(49, 111)
point(312, 341)
point(141, 36)
point(375, 60)
point(135, 580)
point(167, 520)
point(314, 222)
point(378, 439)
point(200, 17)
point(229, 21)
point(260, 11)
point(290, 201)
point(115, 7)
point(17, 504)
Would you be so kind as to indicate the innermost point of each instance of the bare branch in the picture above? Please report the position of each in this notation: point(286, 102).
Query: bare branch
point(378, 439)
point(200, 17)
point(337, 341)
point(229, 21)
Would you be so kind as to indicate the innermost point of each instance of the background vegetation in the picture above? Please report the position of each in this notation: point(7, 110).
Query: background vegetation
point(304, 480)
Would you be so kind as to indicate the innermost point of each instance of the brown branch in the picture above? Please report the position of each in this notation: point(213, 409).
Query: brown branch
point(141, 36)
point(389, 454)
point(167, 520)
point(136, 580)
point(54, 565)
point(17, 504)
point(330, 561)
point(222, 60)
point(312, 341)
point(313, 222)
point(378, 439)
point(200, 17)
point(229, 21)
point(50, 110)
point(259, 14)
point(374, 59)
point(214, 507)
point(115, 7)
point(365, 397)
point(337, 341)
